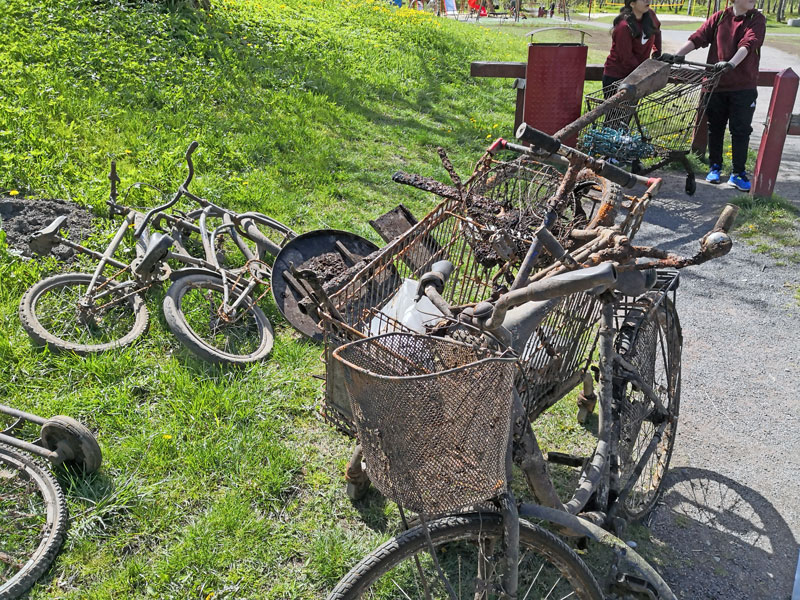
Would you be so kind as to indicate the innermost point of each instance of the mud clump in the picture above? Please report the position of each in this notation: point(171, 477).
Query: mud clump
point(327, 266)
point(21, 219)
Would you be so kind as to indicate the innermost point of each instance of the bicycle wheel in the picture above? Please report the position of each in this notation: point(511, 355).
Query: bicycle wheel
point(650, 339)
point(467, 548)
point(33, 520)
point(57, 313)
point(193, 311)
point(596, 200)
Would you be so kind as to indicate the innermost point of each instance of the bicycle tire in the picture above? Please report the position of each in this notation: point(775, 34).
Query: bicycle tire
point(18, 474)
point(85, 451)
point(556, 559)
point(650, 339)
point(50, 314)
point(247, 339)
point(606, 201)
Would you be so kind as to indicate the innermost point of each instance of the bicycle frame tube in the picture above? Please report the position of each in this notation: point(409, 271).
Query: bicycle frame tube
point(112, 248)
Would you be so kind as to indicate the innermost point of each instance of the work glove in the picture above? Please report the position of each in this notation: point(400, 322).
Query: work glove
point(675, 59)
point(724, 66)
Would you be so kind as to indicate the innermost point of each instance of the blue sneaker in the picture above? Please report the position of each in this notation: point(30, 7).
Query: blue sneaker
point(740, 181)
point(713, 174)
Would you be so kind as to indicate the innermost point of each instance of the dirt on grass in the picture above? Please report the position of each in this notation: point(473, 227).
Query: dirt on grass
point(21, 219)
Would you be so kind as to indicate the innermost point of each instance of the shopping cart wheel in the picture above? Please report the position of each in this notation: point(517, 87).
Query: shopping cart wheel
point(76, 442)
point(691, 184)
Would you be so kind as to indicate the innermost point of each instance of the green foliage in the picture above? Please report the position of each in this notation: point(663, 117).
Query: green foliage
point(771, 226)
point(221, 483)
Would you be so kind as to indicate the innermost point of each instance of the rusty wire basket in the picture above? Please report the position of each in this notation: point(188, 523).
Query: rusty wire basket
point(555, 356)
point(657, 126)
point(433, 417)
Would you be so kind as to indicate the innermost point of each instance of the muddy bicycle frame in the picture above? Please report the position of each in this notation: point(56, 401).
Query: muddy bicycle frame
point(154, 250)
point(515, 316)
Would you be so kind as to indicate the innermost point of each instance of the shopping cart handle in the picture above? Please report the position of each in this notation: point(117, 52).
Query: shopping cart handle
point(538, 139)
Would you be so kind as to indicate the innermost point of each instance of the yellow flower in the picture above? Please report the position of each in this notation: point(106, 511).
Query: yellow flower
point(13, 193)
point(127, 151)
point(167, 436)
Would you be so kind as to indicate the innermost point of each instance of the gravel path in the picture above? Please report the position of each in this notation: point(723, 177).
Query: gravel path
point(730, 517)
point(729, 524)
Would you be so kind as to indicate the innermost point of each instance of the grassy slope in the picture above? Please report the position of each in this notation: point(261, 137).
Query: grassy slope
point(221, 483)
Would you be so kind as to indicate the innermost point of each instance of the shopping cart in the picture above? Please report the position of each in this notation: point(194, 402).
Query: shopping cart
point(656, 130)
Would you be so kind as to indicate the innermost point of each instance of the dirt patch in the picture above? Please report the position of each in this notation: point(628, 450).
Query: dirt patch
point(20, 219)
point(327, 266)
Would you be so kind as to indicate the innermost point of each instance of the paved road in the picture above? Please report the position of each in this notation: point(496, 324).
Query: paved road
point(730, 521)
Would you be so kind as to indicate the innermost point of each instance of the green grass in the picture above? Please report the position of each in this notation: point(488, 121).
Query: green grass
point(771, 227)
point(222, 483)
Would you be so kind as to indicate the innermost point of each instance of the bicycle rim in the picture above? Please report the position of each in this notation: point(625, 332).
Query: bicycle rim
point(653, 346)
point(468, 549)
point(56, 312)
point(33, 519)
point(193, 309)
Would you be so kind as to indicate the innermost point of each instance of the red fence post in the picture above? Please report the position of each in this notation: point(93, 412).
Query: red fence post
point(778, 118)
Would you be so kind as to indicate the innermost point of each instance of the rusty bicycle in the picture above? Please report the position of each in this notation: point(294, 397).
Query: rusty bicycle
point(442, 393)
point(33, 509)
point(210, 306)
point(443, 414)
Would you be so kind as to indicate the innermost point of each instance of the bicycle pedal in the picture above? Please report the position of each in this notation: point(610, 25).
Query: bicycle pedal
point(629, 583)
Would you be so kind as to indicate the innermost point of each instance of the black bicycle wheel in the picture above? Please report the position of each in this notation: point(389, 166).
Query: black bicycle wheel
point(467, 548)
point(33, 520)
point(57, 313)
point(650, 339)
point(193, 309)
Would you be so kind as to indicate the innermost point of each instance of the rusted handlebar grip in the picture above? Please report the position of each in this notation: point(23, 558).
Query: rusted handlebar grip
point(618, 175)
point(727, 217)
point(537, 138)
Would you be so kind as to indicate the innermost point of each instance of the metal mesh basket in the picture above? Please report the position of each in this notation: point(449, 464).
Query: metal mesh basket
point(433, 417)
point(655, 126)
point(554, 358)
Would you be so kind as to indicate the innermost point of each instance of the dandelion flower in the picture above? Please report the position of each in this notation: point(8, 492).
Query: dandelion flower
point(13, 193)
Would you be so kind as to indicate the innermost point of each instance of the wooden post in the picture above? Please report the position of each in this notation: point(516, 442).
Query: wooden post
point(779, 117)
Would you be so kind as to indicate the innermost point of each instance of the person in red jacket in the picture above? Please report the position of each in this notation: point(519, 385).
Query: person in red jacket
point(635, 37)
point(735, 36)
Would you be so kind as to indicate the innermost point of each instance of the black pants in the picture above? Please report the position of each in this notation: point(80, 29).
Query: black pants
point(734, 109)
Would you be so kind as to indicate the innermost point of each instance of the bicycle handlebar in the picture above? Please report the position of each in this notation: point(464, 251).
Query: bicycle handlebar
point(551, 146)
point(564, 284)
point(182, 189)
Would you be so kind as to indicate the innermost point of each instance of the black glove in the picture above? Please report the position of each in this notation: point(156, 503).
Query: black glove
point(724, 66)
point(675, 59)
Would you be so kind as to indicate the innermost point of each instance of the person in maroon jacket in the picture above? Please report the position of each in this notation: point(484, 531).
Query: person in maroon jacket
point(735, 36)
point(635, 37)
